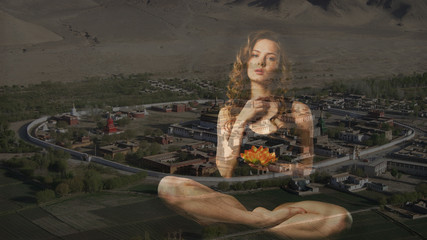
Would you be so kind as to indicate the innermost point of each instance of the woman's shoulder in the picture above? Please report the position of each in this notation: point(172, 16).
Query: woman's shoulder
point(224, 112)
point(224, 115)
point(299, 107)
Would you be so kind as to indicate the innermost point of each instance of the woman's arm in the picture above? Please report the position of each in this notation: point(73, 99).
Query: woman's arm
point(229, 138)
point(230, 134)
point(305, 131)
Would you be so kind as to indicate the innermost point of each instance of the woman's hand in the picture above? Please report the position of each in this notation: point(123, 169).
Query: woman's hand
point(258, 109)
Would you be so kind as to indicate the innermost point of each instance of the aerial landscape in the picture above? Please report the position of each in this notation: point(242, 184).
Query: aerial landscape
point(102, 100)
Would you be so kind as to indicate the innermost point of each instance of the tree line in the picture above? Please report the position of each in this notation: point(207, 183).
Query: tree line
point(9, 143)
point(48, 98)
point(51, 170)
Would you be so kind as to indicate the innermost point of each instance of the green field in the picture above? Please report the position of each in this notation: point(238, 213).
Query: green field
point(137, 213)
point(370, 225)
point(15, 194)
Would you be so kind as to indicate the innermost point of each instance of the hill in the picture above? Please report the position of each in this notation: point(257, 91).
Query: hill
point(61, 40)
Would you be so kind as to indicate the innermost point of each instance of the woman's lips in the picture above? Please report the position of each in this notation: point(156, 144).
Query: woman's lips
point(259, 71)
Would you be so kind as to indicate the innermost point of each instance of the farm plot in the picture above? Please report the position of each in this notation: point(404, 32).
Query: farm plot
point(135, 212)
point(14, 226)
point(15, 194)
point(418, 225)
point(370, 225)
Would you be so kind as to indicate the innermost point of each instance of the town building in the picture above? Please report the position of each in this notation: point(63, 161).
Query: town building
point(83, 141)
point(68, 118)
point(132, 145)
point(348, 182)
point(408, 167)
point(420, 207)
point(165, 108)
point(353, 136)
point(375, 168)
point(138, 114)
point(330, 150)
point(412, 159)
point(203, 129)
point(112, 150)
point(301, 186)
point(170, 163)
point(110, 128)
point(179, 107)
point(378, 187)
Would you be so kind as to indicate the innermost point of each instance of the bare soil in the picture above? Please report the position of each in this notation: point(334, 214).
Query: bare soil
point(60, 40)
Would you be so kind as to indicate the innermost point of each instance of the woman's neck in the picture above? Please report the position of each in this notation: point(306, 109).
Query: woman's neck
point(259, 91)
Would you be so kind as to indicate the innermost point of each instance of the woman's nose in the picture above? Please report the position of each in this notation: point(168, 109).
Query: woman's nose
point(262, 63)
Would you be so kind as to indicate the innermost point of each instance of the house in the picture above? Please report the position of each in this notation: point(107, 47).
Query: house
point(302, 186)
point(376, 168)
point(420, 207)
point(68, 118)
point(348, 182)
point(138, 114)
point(170, 163)
point(378, 187)
point(112, 150)
point(179, 107)
point(83, 141)
point(133, 146)
point(353, 136)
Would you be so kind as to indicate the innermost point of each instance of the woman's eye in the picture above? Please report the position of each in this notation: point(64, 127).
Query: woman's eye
point(254, 55)
point(272, 59)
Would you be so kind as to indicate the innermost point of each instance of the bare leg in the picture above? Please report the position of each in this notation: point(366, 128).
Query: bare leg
point(202, 204)
point(321, 221)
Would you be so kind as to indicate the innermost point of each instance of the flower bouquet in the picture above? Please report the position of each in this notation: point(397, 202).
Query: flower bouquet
point(259, 158)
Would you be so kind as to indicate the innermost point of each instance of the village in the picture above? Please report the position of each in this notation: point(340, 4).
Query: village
point(189, 147)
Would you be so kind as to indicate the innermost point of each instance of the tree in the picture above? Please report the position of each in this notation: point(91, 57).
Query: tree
point(237, 186)
point(397, 199)
point(119, 157)
point(76, 184)
point(382, 200)
point(62, 189)
point(251, 184)
point(148, 131)
point(92, 181)
point(155, 148)
point(223, 186)
point(214, 231)
point(394, 172)
point(157, 132)
point(45, 195)
point(58, 165)
point(422, 188)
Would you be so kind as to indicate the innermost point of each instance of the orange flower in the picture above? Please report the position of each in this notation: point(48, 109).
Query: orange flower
point(260, 156)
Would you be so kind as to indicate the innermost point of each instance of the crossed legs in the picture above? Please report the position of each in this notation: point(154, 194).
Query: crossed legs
point(305, 219)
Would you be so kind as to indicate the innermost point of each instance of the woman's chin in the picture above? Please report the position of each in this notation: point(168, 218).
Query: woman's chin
point(263, 81)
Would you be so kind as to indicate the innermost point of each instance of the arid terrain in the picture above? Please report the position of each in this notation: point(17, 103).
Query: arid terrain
point(62, 40)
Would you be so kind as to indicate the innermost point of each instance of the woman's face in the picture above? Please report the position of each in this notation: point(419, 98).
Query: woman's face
point(263, 64)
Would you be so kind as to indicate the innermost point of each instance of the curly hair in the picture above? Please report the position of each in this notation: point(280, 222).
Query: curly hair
point(239, 91)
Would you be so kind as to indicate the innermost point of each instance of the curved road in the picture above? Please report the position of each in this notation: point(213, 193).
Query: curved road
point(25, 134)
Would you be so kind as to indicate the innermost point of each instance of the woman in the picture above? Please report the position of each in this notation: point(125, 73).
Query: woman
point(258, 77)
point(258, 73)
